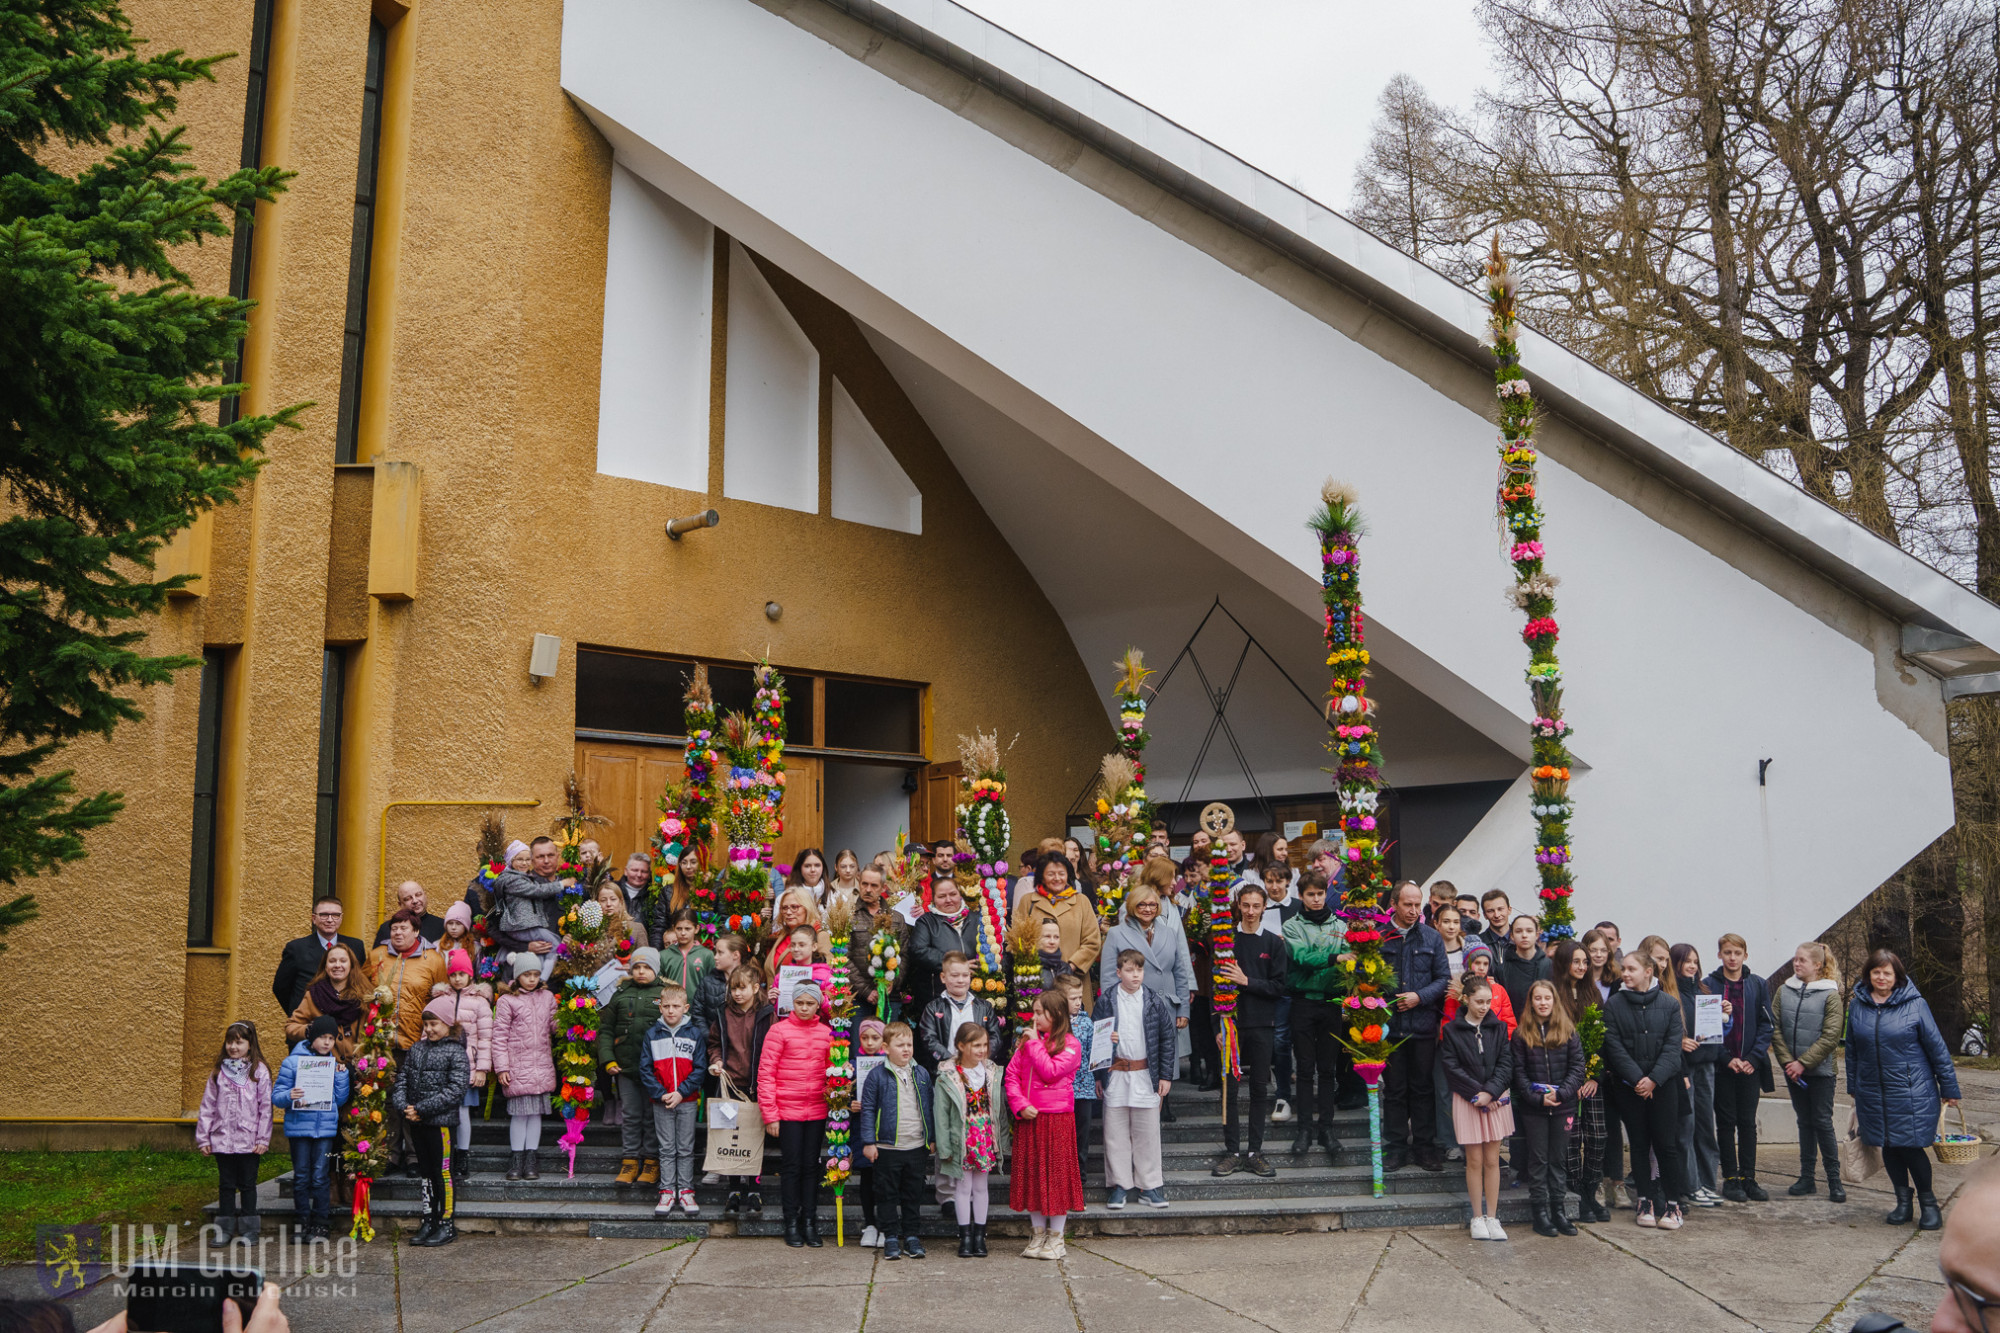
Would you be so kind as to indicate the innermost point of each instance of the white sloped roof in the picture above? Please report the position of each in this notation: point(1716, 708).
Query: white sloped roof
point(1656, 438)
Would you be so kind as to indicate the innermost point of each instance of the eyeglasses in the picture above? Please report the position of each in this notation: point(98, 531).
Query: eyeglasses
point(327, 916)
point(1972, 1305)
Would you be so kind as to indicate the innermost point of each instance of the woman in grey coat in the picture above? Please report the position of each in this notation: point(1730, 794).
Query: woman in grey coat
point(1809, 1019)
point(1158, 935)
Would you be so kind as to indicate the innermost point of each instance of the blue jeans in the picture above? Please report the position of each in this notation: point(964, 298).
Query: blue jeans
point(312, 1177)
point(1281, 1049)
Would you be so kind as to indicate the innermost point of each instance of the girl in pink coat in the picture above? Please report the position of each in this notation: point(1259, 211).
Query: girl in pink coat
point(234, 1127)
point(791, 1091)
point(1041, 1080)
point(523, 1023)
point(473, 1008)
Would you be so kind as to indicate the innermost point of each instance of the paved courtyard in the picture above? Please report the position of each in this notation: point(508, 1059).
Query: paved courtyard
point(1787, 1267)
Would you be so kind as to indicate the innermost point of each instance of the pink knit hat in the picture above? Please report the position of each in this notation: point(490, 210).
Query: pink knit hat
point(460, 913)
point(460, 961)
point(444, 1009)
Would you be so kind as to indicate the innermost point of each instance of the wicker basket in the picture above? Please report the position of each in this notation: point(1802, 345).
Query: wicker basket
point(1962, 1149)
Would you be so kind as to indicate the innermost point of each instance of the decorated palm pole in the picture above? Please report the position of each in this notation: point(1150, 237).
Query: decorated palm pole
point(1217, 819)
point(1357, 779)
point(701, 760)
point(365, 1130)
point(1131, 688)
point(1119, 825)
point(984, 832)
point(1534, 593)
point(671, 836)
point(582, 950)
point(840, 1067)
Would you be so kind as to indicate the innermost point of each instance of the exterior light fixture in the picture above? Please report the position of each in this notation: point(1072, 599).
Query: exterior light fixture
point(542, 658)
point(772, 610)
point(707, 518)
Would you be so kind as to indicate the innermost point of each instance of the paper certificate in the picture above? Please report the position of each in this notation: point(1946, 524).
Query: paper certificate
point(1101, 1045)
point(1708, 1019)
point(789, 978)
point(313, 1079)
point(864, 1065)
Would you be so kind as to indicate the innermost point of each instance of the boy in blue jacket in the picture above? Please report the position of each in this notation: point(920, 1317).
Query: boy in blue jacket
point(673, 1058)
point(313, 1131)
point(896, 1135)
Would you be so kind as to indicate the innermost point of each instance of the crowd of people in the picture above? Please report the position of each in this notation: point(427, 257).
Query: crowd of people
point(1575, 1066)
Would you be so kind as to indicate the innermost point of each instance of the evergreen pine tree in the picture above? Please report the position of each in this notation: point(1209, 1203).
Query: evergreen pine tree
point(110, 369)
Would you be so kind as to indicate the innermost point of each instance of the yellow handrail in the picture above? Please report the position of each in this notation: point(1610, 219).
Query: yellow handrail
point(382, 887)
point(96, 1120)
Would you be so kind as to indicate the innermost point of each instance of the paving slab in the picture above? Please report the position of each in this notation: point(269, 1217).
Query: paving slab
point(772, 1263)
point(1415, 1287)
point(1110, 1298)
point(692, 1306)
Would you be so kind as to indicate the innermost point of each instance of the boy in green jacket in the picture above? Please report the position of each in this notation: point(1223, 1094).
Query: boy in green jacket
point(621, 1027)
point(1315, 937)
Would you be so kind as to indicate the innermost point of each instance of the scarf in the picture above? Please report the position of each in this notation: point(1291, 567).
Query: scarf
point(1069, 891)
point(328, 1000)
point(237, 1069)
point(1055, 960)
point(953, 919)
point(1319, 918)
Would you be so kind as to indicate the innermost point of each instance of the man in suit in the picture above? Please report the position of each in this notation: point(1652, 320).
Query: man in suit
point(299, 963)
point(410, 898)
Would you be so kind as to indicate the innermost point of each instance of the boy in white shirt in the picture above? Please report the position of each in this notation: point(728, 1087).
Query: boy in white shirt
point(1144, 1054)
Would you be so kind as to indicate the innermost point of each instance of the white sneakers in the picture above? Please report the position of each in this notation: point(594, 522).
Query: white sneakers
point(871, 1239)
point(1479, 1228)
point(1281, 1112)
point(1705, 1197)
point(1488, 1228)
point(1035, 1246)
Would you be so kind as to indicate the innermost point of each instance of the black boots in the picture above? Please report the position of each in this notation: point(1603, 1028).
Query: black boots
point(1834, 1192)
point(1899, 1216)
point(1559, 1215)
point(1804, 1185)
point(965, 1250)
point(1588, 1209)
point(426, 1231)
point(809, 1230)
point(461, 1163)
point(1544, 1226)
point(1928, 1216)
point(1753, 1191)
point(1304, 1142)
point(514, 1167)
point(436, 1231)
point(794, 1237)
point(979, 1240)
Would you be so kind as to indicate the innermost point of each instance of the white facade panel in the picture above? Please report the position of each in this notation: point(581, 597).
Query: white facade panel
point(770, 422)
point(869, 485)
point(652, 405)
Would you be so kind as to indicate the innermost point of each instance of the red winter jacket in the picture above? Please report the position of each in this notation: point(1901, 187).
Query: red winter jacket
point(791, 1078)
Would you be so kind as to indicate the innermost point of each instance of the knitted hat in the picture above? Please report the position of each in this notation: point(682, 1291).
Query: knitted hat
point(444, 1008)
point(322, 1026)
point(806, 990)
point(460, 913)
point(1475, 948)
point(649, 957)
point(514, 849)
point(871, 1026)
point(460, 961)
point(525, 961)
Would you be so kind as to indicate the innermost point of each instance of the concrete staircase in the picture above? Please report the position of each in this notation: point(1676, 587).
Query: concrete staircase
point(1313, 1192)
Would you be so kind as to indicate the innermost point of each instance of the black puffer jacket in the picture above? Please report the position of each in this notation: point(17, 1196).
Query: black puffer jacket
point(1561, 1066)
point(1642, 1036)
point(1477, 1059)
point(433, 1078)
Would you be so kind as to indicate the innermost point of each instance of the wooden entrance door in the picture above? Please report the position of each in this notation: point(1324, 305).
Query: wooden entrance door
point(934, 804)
point(623, 782)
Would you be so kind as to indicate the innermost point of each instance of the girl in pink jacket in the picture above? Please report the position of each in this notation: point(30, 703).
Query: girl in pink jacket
point(473, 1006)
point(791, 1091)
point(1041, 1079)
point(523, 1022)
point(234, 1127)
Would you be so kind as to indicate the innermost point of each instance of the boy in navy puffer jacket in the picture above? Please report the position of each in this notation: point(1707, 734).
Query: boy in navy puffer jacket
point(312, 1131)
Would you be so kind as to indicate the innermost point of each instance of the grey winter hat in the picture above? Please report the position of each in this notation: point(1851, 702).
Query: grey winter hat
point(650, 957)
point(806, 990)
point(525, 961)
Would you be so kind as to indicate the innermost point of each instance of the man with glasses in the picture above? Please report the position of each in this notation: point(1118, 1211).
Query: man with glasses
point(299, 963)
point(1969, 1257)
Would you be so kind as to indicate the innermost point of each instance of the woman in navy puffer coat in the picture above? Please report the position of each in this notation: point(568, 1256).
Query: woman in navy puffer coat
point(1898, 1072)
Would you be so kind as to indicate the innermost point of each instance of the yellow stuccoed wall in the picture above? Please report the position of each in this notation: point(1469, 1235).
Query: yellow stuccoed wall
point(492, 394)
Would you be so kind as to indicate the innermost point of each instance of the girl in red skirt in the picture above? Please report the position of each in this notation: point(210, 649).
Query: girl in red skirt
point(1040, 1091)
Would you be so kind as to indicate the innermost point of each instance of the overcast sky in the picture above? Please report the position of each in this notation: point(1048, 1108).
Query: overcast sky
point(1287, 85)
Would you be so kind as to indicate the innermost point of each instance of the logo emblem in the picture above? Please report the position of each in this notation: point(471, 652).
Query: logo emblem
point(69, 1259)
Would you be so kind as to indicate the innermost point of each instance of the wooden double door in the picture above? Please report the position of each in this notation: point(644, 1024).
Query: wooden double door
point(622, 783)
